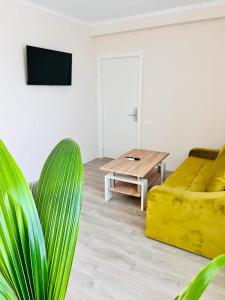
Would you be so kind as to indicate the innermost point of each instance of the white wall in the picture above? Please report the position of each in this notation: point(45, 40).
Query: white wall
point(34, 118)
point(183, 96)
point(183, 87)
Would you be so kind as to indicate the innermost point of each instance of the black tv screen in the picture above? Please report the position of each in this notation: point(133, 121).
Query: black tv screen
point(48, 67)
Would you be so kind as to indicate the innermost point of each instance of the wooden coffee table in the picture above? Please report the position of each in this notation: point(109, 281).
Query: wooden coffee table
point(133, 177)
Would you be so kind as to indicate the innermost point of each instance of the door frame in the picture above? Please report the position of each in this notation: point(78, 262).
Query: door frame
point(100, 110)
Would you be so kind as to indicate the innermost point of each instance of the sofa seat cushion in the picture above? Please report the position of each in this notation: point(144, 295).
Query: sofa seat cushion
point(217, 178)
point(192, 175)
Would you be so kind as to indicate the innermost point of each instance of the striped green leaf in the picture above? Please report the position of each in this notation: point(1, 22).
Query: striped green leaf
point(23, 261)
point(203, 279)
point(6, 291)
point(58, 200)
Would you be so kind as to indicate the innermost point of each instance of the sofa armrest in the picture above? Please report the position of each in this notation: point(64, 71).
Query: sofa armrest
point(204, 153)
point(194, 221)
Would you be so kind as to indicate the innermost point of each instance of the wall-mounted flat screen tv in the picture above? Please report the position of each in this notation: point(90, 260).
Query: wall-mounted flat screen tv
point(48, 67)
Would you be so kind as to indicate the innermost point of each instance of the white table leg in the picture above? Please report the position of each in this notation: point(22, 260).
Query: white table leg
point(162, 172)
point(108, 193)
point(144, 191)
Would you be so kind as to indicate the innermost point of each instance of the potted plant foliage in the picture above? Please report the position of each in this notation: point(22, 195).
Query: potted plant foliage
point(38, 231)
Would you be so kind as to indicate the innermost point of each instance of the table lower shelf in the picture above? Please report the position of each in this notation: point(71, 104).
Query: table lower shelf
point(126, 188)
point(131, 189)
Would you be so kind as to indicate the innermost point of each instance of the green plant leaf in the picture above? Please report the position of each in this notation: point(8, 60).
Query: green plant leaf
point(6, 291)
point(34, 186)
point(23, 261)
point(58, 200)
point(203, 279)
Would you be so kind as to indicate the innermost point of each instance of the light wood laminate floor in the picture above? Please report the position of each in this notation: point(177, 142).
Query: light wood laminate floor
point(115, 261)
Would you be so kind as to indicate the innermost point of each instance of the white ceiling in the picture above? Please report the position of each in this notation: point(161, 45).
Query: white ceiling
point(103, 10)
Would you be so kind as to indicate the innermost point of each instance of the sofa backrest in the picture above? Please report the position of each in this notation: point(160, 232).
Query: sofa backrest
point(217, 177)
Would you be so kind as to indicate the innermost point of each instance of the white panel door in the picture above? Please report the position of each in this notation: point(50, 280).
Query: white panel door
point(120, 97)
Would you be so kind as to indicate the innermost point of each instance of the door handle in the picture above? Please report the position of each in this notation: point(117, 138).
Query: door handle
point(134, 115)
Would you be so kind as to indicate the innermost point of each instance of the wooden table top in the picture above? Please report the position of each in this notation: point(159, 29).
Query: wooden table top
point(138, 168)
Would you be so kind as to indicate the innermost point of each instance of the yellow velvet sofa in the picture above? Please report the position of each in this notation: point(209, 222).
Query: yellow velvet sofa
point(188, 209)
